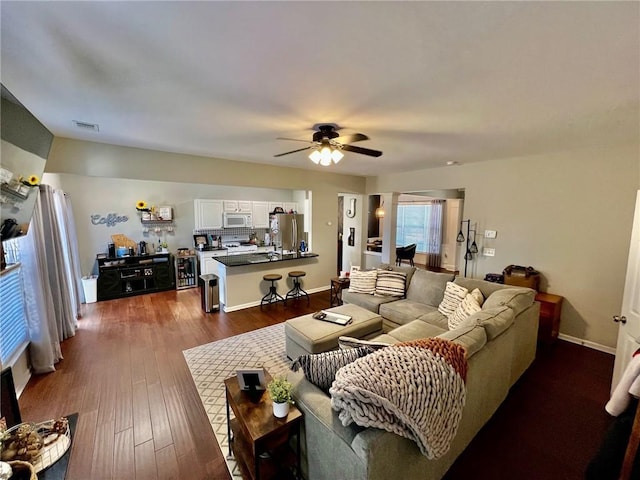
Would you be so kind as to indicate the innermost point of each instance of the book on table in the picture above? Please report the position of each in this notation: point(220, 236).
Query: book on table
point(332, 317)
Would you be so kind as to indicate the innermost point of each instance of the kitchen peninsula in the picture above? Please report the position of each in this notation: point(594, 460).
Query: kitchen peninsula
point(240, 276)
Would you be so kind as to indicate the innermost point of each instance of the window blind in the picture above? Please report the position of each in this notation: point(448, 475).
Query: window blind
point(14, 332)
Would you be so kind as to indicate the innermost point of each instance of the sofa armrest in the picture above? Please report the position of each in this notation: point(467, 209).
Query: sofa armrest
point(313, 401)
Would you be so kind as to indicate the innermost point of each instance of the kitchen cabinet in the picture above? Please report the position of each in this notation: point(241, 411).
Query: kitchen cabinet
point(208, 213)
point(290, 206)
point(286, 206)
point(207, 261)
point(237, 206)
point(274, 205)
point(260, 214)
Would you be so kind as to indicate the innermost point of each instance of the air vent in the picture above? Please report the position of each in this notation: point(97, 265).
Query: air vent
point(87, 126)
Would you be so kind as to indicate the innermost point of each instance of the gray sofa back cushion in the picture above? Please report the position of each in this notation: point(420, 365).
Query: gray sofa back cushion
point(487, 288)
point(472, 337)
point(495, 320)
point(428, 287)
point(517, 299)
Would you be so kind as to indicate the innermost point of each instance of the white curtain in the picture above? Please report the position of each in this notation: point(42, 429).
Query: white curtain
point(434, 234)
point(51, 276)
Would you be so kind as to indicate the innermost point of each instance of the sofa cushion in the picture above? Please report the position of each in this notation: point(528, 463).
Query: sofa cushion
point(392, 283)
point(320, 368)
point(413, 331)
point(467, 307)
point(453, 296)
point(365, 300)
point(395, 268)
point(495, 320)
point(435, 318)
point(404, 311)
point(477, 294)
point(472, 337)
point(428, 287)
point(487, 288)
point(517, 299)
point(363, 282)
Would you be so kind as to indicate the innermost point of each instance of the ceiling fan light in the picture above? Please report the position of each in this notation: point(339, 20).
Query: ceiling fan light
point(336, 156)
point(325, 156)
point(315, 157)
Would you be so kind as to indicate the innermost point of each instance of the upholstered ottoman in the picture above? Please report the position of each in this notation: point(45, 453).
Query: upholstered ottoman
point(306, 335)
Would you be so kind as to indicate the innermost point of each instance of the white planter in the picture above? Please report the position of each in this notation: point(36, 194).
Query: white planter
point(281, 410)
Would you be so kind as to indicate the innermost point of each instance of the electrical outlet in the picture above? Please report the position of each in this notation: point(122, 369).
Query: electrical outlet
point(489, 252)
point(490, 234)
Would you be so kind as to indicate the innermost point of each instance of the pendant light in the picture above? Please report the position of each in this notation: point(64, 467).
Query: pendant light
point(380, 210)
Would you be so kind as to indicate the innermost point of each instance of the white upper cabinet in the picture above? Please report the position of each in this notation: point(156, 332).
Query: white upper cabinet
point(290, 206)
point(260, 214)
point(237, 206)
point(274, 205)
point(208, 213)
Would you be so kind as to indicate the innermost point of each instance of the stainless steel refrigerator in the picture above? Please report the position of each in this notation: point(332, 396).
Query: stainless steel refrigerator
point(287, 230)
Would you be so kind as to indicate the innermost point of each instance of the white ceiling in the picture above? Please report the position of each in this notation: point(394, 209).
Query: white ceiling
point(428, 82)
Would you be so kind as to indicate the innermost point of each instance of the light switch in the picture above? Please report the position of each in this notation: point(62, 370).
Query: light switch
point(489, 252)
point(490, 234)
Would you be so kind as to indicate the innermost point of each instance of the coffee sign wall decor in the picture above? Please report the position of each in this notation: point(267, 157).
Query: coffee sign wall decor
point(110, 219)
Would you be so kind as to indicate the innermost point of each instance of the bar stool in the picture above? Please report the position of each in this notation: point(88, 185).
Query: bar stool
point(273, 295)
point(296, 291)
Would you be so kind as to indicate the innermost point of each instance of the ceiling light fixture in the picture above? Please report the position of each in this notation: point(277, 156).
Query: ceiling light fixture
point(326, 154)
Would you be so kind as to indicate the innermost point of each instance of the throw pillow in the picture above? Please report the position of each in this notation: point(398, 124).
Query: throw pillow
point(467, 307)
point(389, 282)
point(350, 342)
point(320, 368)
point(453, 296)
point(363, 282)
point(477, 294)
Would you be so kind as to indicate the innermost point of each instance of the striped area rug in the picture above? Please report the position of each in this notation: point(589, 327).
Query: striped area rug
point(212, 363)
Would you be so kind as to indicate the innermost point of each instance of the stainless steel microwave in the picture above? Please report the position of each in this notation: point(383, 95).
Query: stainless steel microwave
point(235, 220)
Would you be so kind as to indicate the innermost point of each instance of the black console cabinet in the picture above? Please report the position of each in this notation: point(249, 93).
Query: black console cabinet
point(126, 276)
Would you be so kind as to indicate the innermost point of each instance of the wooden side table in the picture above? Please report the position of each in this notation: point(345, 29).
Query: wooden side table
point(550, 309)
point(260, 440)
point(337, 285)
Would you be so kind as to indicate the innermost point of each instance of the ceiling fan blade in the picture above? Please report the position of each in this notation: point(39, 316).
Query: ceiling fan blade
point(355, 137)
point(293, 151)
point(292, 139)
point(364, 151)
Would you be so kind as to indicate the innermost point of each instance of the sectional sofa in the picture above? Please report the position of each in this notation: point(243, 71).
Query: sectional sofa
point(500, 342)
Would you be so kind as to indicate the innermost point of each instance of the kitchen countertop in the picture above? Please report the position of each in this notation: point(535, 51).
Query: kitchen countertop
point(261, 258)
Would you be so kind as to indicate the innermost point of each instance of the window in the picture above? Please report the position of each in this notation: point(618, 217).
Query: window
point(415, 225)
point(14, 333)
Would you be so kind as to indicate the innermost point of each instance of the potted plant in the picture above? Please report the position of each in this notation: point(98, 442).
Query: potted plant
point(280, 392)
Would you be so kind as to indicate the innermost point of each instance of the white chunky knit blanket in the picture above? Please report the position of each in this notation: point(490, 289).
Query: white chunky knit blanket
point(414, 389)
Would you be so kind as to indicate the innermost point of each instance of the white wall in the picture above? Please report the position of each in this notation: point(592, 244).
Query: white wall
point(567, 214)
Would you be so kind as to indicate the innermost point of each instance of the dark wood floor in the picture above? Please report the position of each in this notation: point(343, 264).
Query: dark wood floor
point(140, 416)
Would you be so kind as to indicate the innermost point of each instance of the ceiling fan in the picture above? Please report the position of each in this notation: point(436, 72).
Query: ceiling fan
point(327, 145)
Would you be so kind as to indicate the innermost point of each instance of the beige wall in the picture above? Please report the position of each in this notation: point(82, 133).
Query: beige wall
point(104, 178)
point(567, 214)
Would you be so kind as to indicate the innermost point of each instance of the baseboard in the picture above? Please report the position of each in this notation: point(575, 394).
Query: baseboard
point(257, 302)
point(587, 343)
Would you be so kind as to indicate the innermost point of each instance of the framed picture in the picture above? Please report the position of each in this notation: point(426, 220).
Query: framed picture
point(354, 268)
point(165, 213)
point(251, 379)
point(200, 240)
